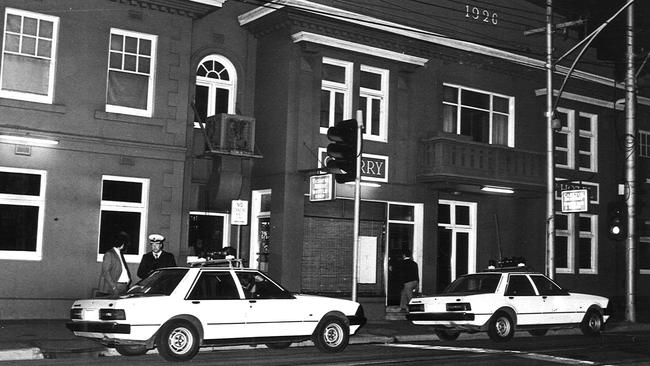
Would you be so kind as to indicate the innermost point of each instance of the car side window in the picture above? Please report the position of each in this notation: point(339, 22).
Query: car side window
point(257, 286)
point(519, 285)
point(547, 287)
point(214, 286)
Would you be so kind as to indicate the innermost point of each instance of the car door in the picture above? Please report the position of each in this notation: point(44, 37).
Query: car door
point(216, 302)
point(521, 296)
point(272, 311)
point(559, 307)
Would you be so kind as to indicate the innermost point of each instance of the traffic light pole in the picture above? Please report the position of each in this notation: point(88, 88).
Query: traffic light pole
point(357, 204)
point(630, 166)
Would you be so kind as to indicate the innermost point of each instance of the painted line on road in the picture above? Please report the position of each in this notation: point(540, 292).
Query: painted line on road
point(529, 355)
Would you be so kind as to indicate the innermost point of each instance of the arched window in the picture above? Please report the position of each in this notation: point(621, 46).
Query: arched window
point(216, 84)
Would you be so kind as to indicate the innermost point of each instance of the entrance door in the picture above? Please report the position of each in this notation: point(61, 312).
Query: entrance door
point(456, 240)
point(404, 234)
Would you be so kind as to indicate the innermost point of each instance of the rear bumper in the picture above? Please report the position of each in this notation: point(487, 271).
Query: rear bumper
point(99, 327)
point(440, 316)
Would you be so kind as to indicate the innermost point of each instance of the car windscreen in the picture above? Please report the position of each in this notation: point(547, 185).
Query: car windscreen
point(161, 282)
point(474, 284)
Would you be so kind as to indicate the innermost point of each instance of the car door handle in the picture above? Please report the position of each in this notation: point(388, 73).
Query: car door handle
point(196, 302)
point(544, 297)
point(252, 301)
point(511, 297)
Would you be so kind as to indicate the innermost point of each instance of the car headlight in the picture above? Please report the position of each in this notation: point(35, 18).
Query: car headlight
point(112, 314)
point(458, 306)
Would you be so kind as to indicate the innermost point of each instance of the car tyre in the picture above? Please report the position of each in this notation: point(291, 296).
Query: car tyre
point(178, 341)
point(447, 334)
point(538, 332)
point(332, 335)
point(138, 350)
point(278, 345)
point(592, 324)
point(501, 328)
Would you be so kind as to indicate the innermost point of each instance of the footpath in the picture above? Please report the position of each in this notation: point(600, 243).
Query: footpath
point(50, 339)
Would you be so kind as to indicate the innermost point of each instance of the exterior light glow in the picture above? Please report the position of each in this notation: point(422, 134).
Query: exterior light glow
point(495, 189)
point(28, 140)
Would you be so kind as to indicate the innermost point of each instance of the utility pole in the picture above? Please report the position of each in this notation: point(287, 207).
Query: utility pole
point(550, 146)
point(357, 204)
point(630, 167)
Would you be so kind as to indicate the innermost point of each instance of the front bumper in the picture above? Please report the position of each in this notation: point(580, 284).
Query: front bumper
point(99, 327)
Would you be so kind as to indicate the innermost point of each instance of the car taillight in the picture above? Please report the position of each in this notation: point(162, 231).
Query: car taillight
point(112, 314)
point(416, 307)
point(459, 306)
point(75, 313)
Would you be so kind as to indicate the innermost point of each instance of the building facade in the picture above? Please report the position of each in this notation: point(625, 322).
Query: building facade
point(154, 116)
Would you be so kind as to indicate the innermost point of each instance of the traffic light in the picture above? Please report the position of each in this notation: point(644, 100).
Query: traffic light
point(616, 223)
point(342, 151)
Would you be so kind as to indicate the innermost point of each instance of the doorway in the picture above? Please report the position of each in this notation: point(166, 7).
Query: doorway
point(456, 240)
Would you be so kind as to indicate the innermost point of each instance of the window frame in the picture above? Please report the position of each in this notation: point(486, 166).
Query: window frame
point(213, 84)
point(569, 131)
point(37, 98)
point(25, 200)
point(374, 94)
point(459, 107)
point(593, 236)
point(593, 142)
point(122, 206)
point(644, 144)
point(568, 233)
point(148, 112)
point(334, 87)
point(225, 230)
point(644, 240)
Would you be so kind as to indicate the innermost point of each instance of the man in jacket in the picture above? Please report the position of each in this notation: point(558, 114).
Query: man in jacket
point(156, 258)
point(115, 277)
point(410, 279)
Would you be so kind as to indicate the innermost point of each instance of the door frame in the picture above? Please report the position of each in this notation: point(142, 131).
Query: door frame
point(469, 229)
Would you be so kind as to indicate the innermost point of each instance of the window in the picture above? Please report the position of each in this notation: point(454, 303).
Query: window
point(216, 85)
point(256, 286)
point(576, 238)
point(644, 255)
point(22, 202)
point(546, 287)
point(208, 233)
point(644, 144)
point(519, 285)
point(337, 92)
point(576, 140)
point(484, 116)
point(28, 56)
point(215, 286)
point(131, 66)
point(587, 253)
point(373, 101)
point(123, 209)
point(564, 243)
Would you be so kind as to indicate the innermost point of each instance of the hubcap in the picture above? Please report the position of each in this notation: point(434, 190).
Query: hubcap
point(503, 327)
point(180, 340)
point(594, 322)
point(333, 335)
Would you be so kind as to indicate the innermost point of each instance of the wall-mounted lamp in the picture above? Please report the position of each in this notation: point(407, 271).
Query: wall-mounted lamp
point(28, 140)
point(496, 189)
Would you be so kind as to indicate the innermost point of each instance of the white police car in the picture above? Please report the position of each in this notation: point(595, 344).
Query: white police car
point(501, 300)
point(178, 310)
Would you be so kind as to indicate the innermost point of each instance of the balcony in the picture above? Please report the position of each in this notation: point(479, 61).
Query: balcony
point(456, 163)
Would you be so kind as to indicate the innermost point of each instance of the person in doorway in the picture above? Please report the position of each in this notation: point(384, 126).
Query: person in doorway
point(410, 276)
point(156, 258)
point(115, 277)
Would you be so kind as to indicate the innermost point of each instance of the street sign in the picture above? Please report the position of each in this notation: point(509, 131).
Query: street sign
point(239, 212)
point(576, 200)
point(321, 187)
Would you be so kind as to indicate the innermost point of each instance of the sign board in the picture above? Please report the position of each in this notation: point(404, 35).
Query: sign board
point(374, 167)
point(576, 200)
point(239, 212)
point(321, 187)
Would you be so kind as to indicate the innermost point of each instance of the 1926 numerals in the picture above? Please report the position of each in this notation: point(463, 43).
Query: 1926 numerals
point(482, 15)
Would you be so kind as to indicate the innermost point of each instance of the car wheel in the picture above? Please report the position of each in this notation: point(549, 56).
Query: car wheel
point(592, 324)
point(278, 345)
point(538, 332)
point(178, 341)
point(447, 334)
point(332, 334)
point(501, 328)
point(131, 350)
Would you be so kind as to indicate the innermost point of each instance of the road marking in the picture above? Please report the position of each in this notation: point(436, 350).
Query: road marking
point(529, 355)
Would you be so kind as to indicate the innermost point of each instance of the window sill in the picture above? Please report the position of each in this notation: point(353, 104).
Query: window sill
point(23, 104)
point(119, 117)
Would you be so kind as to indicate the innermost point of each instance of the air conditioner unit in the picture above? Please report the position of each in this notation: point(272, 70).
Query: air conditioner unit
point(231, 134)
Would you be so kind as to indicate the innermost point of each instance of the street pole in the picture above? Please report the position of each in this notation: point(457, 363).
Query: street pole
point(630, 166)
point(550, 147)
point(357, 203)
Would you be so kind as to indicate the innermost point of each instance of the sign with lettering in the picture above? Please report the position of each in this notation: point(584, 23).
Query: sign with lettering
point(565, 185)
point(321, 187)
point(575, 200)
point(374, 168)
point(239, 212)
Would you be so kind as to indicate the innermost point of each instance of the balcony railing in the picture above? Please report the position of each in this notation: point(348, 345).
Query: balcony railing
point(452, 159)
